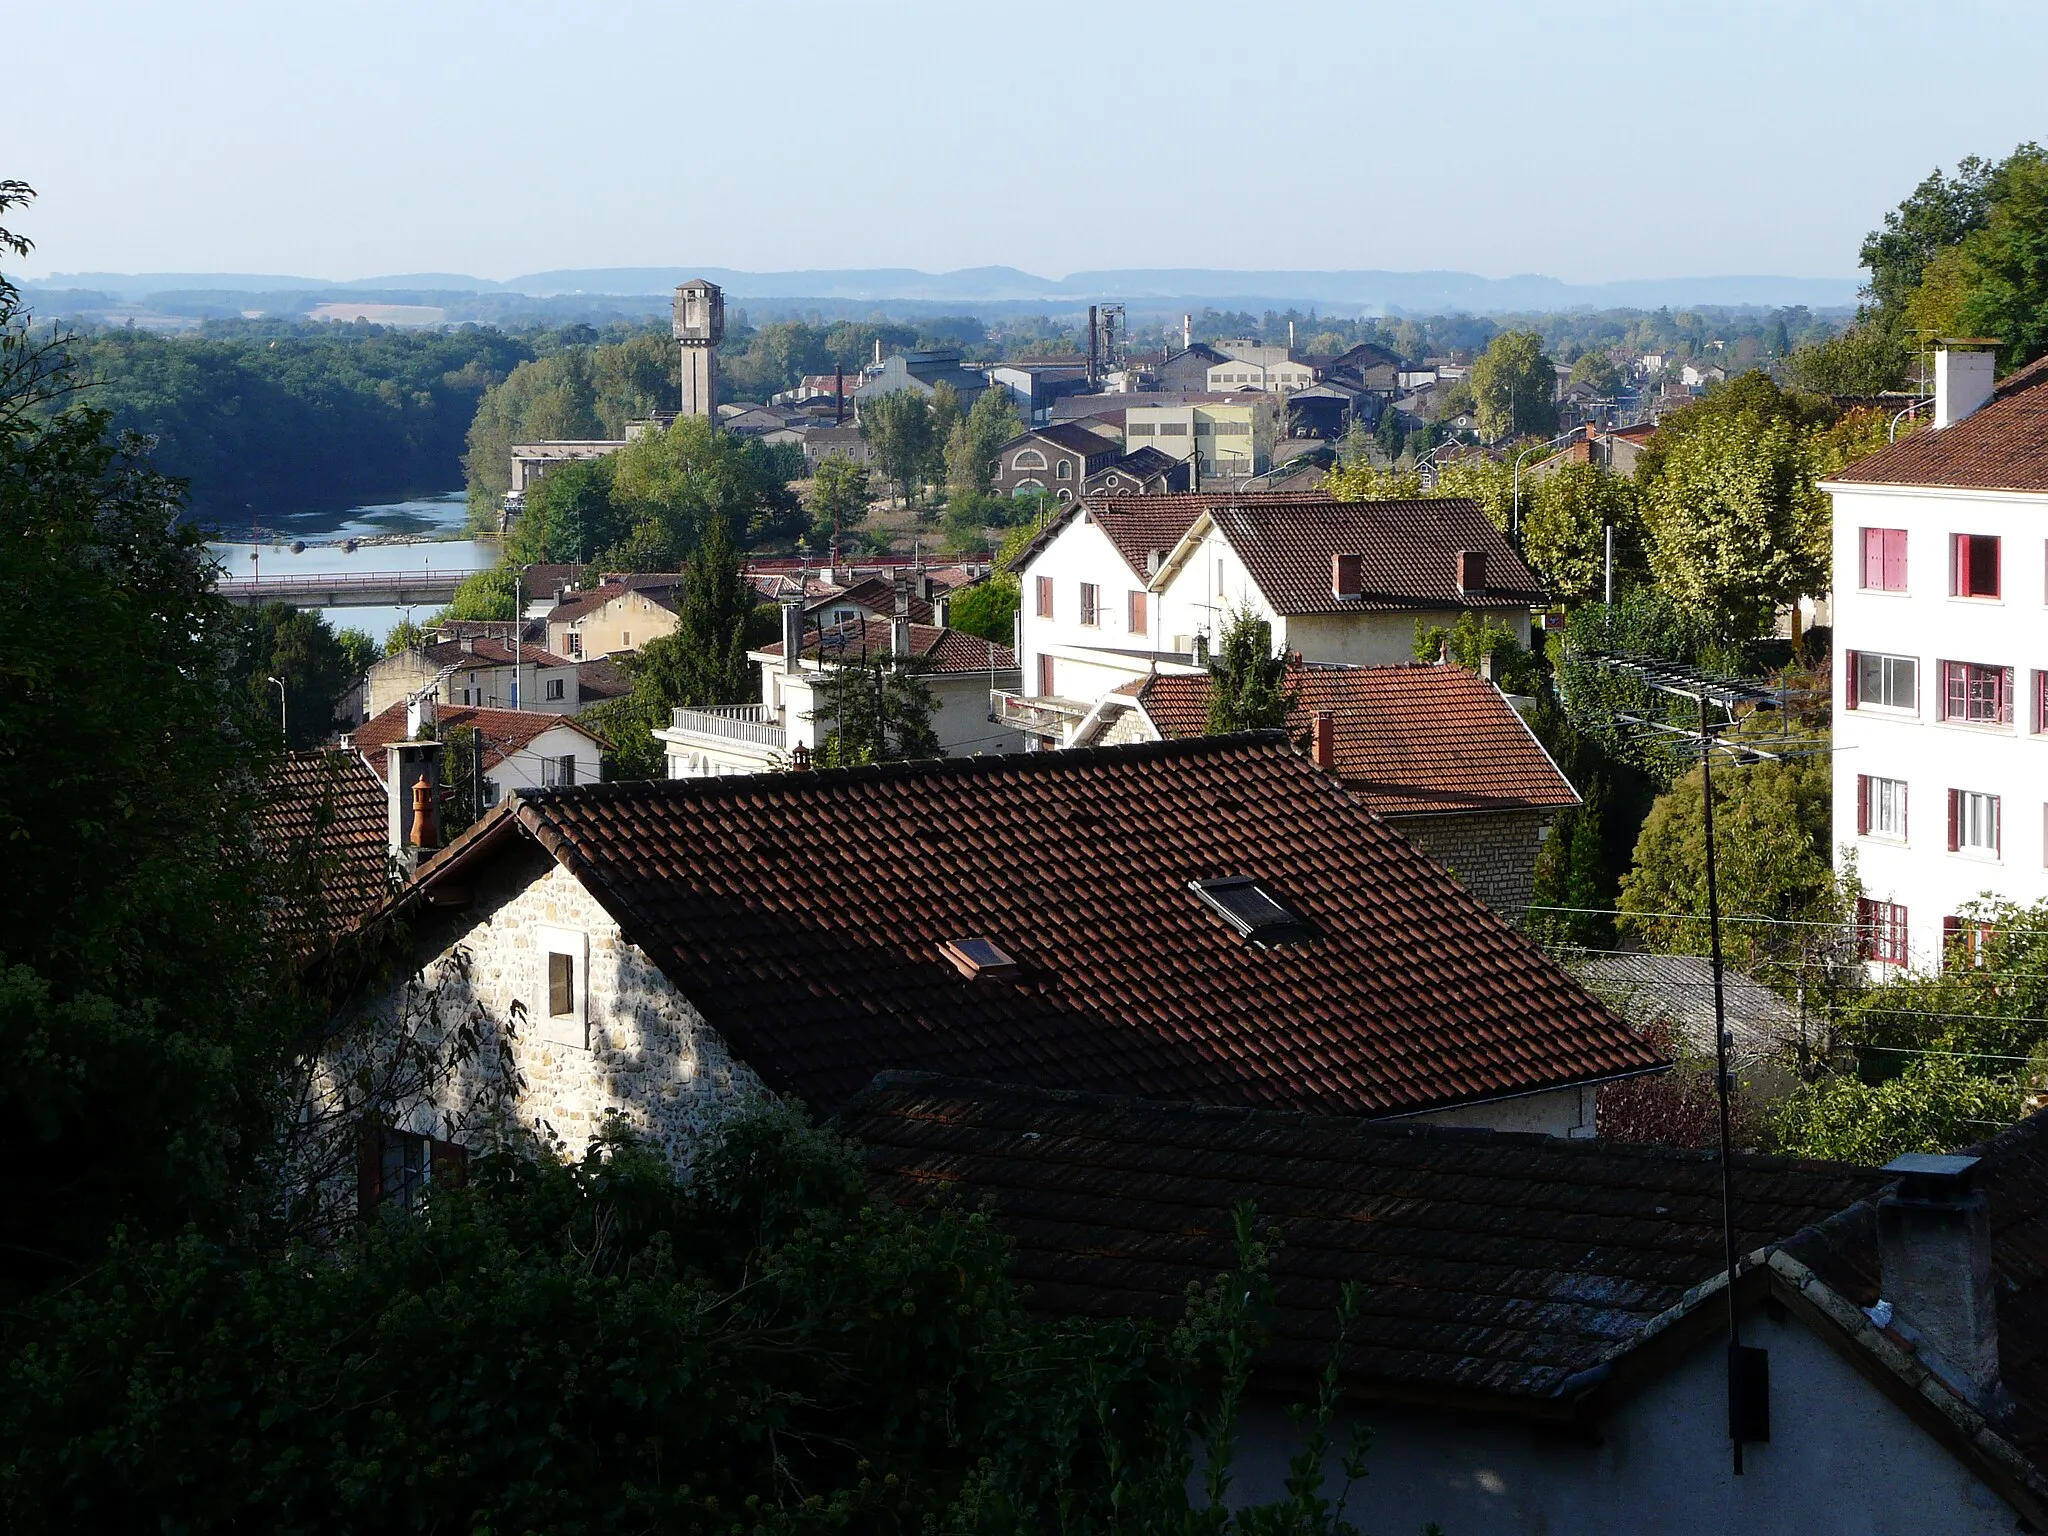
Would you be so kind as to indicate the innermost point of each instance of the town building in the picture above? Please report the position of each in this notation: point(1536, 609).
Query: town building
point(1187, 369)
point(1146, 472)
point(621, 614)
point(1940, 672)
point(1539, 1328)
point(922, 373)
point(1058, 459)
point(323, 829)
point(1438, 752)
point(1249, 365)
point(1224, 436)
point(1120, 587)
point(795, 714)
point(520, 750)
point(1213, 921)
point(822, 443)
point(698, 326)
point(476, 671)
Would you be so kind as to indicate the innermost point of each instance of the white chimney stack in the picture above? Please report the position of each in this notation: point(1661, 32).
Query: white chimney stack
point(1934, 1247)
point(1187, 332)
point(1964, 375)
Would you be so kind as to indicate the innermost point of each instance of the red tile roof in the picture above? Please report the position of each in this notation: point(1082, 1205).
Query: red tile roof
point(505, 731)
point(1486, 1262)
point(1136, 525)
point(489, 651)
point(1409, 739)
point(323, 824)
point(1409, 551)
point(803, 913)
point(942, 650)
point(2002, 447)
point(877, 594)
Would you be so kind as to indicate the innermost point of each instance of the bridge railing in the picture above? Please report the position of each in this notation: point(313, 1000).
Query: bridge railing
point(343, 580)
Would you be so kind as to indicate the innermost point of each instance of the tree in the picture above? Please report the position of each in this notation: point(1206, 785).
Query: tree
point(946, 416)
point(296, 647)
point(898, 429)
point(1596, 370)
point(403, 636)
point(711, 627)
point(839, 499)
point(972, 445)
point(671, 484)
point(1935, 1105)
point(486, 596)
point(1388, 435)
point(358, 651)
point(1866, 359)
point(1939, 214)
point(570, 516)
point(1472, 642)
point(1247, 681)
point(881, 711)
point(1565, 515)
point(1514, 387)
point(1995, 281)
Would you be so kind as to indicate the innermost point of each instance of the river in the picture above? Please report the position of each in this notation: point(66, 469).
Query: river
point(428, 531)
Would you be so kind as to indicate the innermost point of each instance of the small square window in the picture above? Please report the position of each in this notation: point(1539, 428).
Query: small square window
point(561, 985)
point(555, 687)
point(1974, 566)
point(1973, 822)
point(1252, 911)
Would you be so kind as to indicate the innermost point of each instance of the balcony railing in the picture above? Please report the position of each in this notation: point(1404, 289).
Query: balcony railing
point(1036, 714)
point(754, 723)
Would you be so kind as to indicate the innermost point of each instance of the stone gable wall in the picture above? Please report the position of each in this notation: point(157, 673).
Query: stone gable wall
point(651, 1058)
point(1493, 853)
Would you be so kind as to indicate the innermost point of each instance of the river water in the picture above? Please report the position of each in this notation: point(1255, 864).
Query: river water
point(427, 532)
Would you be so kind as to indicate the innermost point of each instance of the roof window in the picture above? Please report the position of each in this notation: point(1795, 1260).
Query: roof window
point(1247, 906)
point(980, 960)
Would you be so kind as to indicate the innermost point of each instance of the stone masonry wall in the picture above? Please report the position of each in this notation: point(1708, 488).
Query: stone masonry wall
point(1493, 853)
point(651, 1058)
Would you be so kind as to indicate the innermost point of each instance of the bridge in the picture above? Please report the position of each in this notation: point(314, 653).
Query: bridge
point(353, 589)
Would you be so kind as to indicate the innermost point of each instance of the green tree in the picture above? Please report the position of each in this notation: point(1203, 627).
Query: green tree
point(1939, 214)
point(403, 636)
point(570, 516)
point(670, 485)
point(1864, 360)
point(1474, 640)
point(1596, 369)
point(1935, 1105)
point(1995, 281)
point(1514, 387)
point(898, 429)
point(1389, 435)
point(1565, 515)
point(881, 711)
point(1247, 682)
point(486, 595)
point(711, 627)
point(839, 499)
point(972, 445)
point(296, 647)
point(358, 651)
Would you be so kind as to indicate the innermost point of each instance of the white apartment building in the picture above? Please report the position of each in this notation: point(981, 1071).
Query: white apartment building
point(1941, 662)
point(1119, 588)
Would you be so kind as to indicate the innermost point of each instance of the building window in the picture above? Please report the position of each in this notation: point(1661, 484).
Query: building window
point(491, 791)
point(561, 986)
point(555, 687)
point(1045, 597)
point(1091, 604)
point(1137, 616)
point(1974, 565)
point(1881, 931)
point(626, 638)
point(1045, 677)
point(1880, 807)
point(564, 985)
point(1964, 941)
point(1173, 429)
point(1976, 695)
point(2040, 701)
point(1884, 559)
point(1233, 429)
point(575, 643)
point(1878, 681)
point(1140, 429)
point(1065, 471)
point(397, 1168)
point(1029, 458)
point(1972, 822)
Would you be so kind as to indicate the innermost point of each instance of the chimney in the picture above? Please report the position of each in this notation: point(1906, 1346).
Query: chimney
point(878, 351)
point(1486, 665)
point(793, 636)
point(1934, 1245)
point(1347, 575)
point(1187, 332)
point(412, 796)
point(1963, 379)
point(1322, 740)
point(421, 713)
point(839, 397)
point(1471, 570)
point(899, 635)
point(942, 610)
point(1091, 346)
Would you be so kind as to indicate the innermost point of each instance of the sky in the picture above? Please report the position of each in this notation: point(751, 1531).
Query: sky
point(1587, 142)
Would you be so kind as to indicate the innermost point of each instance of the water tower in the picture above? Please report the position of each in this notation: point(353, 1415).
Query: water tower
point(699, 325)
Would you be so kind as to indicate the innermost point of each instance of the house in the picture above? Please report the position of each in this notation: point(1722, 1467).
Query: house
point(1033, 386)
point(622, 614)
point(1940, 676)
point(822, 443)
point(1147, 472)
point(1248, 365)
point(1437, 751)
point(922, 373)
point(478, 671)
point(1540, 1327)
point(1698, 375)
point(1188, 369)
point(1058, 458)
point(521, 750)
point(1368, 369)
point(1225, 436)
point(1117, 588)
point(960, 670)
point(1213, 921)
point(1768, 1037)
point(872, 597)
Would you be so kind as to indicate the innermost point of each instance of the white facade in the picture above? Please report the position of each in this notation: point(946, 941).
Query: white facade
point(1901, 753)
point(558, 756)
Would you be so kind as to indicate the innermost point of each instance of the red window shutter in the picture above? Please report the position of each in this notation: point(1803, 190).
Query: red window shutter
point(1045, 676)
point(1849, 681)
point(1894, 560)
point(1951, 929)
point(449, 1163)
point(2005, 695)
point(1866, 928)
point(1873, 557)
point(1862, 804)
point(1958, 564)
point(1955, 813)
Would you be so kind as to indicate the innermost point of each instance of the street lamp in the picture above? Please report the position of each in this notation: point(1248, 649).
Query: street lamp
point(1515, 523)
point(283, 729)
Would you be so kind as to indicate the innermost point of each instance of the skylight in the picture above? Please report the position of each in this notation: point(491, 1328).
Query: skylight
point(980, 960)
point(1252, 911)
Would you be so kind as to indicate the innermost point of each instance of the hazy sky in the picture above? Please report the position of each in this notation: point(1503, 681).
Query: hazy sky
point(1588, 142)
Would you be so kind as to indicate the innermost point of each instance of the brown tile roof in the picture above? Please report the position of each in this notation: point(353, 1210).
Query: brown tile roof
point(505, 731)
point(600, 679)
point(1409, 550)
point(803, 914)
point(1075, 438)
point(489, 651)
point(2013, 1177)
point(1486, 1262)
point(1136, 525)
point(1409, 739)
point(942, 650)
point(2003, 447)
point(877, 594)
point(324, 824)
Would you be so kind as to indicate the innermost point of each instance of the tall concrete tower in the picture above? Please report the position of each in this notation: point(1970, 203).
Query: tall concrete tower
point(699, 325)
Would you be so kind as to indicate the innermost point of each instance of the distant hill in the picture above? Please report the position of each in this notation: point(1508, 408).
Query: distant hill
point(1151, 288)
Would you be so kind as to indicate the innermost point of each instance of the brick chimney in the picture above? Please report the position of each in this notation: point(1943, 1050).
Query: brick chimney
point(412, 791)
point(1965, 372)
point(1471, 570)
point(1347, 575)
point(1934, 1244)
point(1322, 740)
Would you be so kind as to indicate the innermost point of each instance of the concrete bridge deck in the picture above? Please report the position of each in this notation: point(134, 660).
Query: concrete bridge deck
point(354, 589)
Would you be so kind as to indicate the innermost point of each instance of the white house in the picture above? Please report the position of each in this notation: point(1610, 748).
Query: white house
point(1941, 661)
point(1119, 588)
point(522, 749)
point(960, 670)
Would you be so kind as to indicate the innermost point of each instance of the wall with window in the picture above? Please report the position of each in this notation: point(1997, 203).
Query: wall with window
point(1087, 650)
point(1941, 706)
